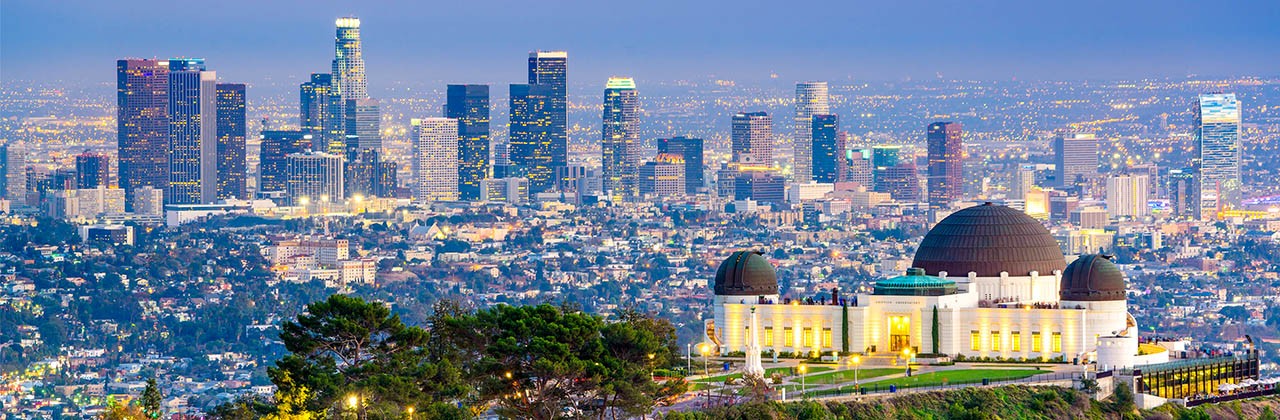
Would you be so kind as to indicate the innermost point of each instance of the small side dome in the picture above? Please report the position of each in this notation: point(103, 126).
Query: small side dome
point(915, 283)
point(746, 273)
point(1092, 278)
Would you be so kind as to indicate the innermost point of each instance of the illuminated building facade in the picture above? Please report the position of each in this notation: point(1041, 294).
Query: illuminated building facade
point(1217, 125)
point(531, 139)
point(193, 133)
point(93, 170)
point(620, 138)
point(827, 148)
point(752, 138)
point(231, 141)
point(469, 104)
point(142, 124)
point(273, 171)
point(690, 150)
point(811, 99)
point(946, 164)
point(435, 159)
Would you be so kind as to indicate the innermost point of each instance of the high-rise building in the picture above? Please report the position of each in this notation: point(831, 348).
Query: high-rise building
point(827, 148)
point(93, 170)
point(895, 174)
point(550, 69)
point(314, 177)
point(1127, 196)
point(371, 176)
point(530, 139)
point(193, 132)
point(690, 150)
point(1024, 179)
point(148, 200)
point(760, 186)
point(469, 104)
point(13, 173)
point(231, 141)
point(435, 159)
point(317, 113)
point(946, 164)
point(620, 143)
point(361, 114)
point(663, 176)
point(273, 170)
point(1184, 193)
point(861, 171)
point(811, 99)
point(752, 138)
point(348, 61)
point(364, 127)
point(1217, 125)
point(1075, 158)
point(142, 124)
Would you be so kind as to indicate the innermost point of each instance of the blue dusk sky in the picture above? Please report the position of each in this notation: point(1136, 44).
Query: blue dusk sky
point(488, 41)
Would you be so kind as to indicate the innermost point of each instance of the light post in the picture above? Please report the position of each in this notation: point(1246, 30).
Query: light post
point(803, 368)
point(704, 349)
point(856, 361)
point(688, 359)
point(651, 368)
point(410, 411)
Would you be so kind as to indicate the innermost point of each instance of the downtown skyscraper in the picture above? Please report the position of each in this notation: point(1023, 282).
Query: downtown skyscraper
point(540, 143)
point(946, 164)
point(828, 148)
point(1075, 158)
point(811, 99)
point(142, 124)
point(1217, 128)
point(620, 138)
point(469, 105)
point(319, 113)
point(193, 132)
point(752, 139)
point(231, 141)
point(690, 150)
point(93, 170)
point(361, 114)
point(435, 159)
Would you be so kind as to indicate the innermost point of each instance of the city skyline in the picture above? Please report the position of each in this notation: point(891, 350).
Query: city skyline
point(1069, 42)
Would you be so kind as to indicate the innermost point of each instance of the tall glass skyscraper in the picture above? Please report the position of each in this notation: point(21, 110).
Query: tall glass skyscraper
point(142, 125)
point(550, 69)
point(319, 115)
point(469, 105)
point(620, 138)
point(193, 132)
point(231, 141)
point(752, 138)
point(811, 99)
point(1075, 157)
point(530, 141)
point(1218, 152)
point(828, 152)
point(93, 170)
point(690, 150)
point(361, 114)
point(273, 171)
point(946, 164)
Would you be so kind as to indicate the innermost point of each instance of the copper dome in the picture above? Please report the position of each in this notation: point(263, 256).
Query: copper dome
point(987, 240)
point(746, 273)
point(1092, 278)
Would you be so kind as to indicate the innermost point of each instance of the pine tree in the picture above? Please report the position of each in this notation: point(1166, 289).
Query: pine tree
point(151, 400)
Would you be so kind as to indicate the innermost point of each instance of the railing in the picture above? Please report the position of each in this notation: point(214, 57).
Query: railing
point(1232, 397)
point(874, 388)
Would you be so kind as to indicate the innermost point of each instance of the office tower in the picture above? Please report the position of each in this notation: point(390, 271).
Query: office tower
point(1127, 196)
point(314, 178)
point(435, 159)
point(1184, 200)
point(663, 177)
point(1217, 125)
point(1075, 158)
point(827, 149)
point(550, 69)
point(319, 113)
point(861, 170)
point(13, 173)
point(760, 186)
point(148, 201)
point(360, 114)
point(512, 190)
point(142, 124)
point(371, 176)
point(231, 141)
point(469, 104)
point(1024, 179)
point(726, 181)
point(895, 174)
point(1155, 186)
point(690, 150)
point(811, 99)
point(946, 164)
point(620, 142)
point(193, 133)
point(93, 170)
point(348, 61)
point(530, 140)
point(752, 139)
point(273, 169)
point(364, 127)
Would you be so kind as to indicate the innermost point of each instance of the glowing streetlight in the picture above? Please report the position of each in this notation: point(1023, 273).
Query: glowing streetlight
point(856, 361)
point(410, 411)
point(803, 369)
point(352, 401)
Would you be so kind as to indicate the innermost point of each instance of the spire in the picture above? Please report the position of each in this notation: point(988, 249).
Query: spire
point(753, 366)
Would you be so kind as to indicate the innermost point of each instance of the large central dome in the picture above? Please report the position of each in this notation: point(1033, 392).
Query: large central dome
point(987, 240)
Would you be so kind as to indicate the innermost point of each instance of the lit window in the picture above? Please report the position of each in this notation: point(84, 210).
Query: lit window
point(768, 336)
point(826, 337)
point(995, 341)
point(1035, 342)
point(1057, 342)
point(975, 340)
point(806, 337)
point(788, 339)
point(1015, 341)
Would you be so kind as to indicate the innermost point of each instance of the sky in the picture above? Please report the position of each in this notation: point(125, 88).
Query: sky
point(481, 41)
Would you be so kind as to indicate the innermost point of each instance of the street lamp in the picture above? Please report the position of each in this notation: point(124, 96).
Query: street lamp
point(410, 411)
point(856, 361)
point(688, 359)
point(705, 349)
point(803, 368)
point(651, 368)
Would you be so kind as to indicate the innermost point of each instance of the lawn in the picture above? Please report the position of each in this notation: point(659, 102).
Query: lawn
point(842, 376)
point(957, 376)
point(768, 373)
